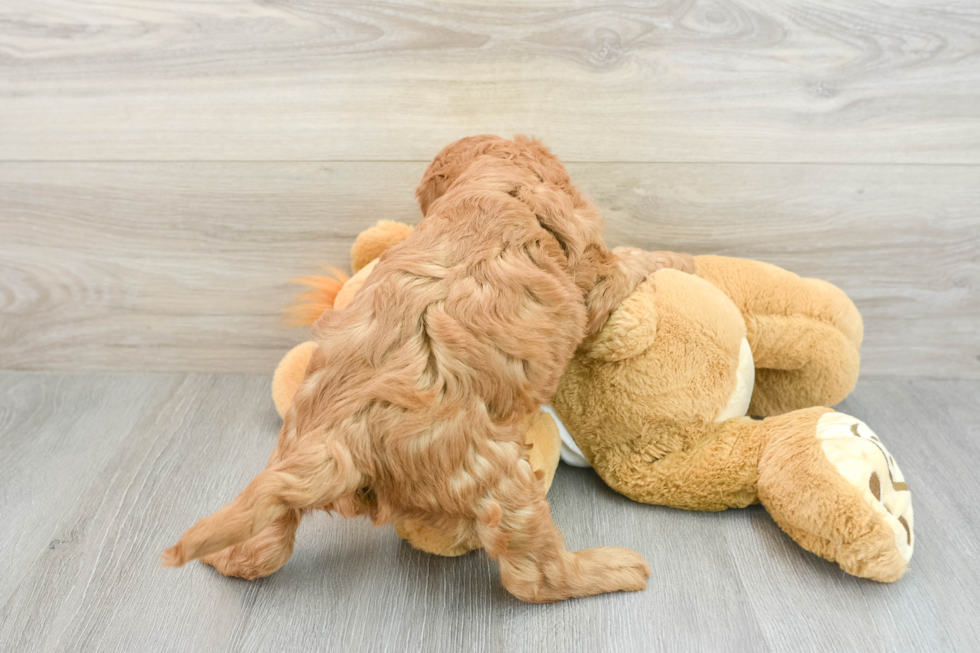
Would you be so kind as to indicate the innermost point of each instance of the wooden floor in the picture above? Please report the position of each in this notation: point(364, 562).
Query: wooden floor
point(100, 472)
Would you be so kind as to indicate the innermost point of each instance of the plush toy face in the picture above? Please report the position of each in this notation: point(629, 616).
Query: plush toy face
point(668, 357)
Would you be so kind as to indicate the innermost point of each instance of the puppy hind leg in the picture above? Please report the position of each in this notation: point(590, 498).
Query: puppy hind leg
point(517, 530)
point(262, 554)
point(312, 476)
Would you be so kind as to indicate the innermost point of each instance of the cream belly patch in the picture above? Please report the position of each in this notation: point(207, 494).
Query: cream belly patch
point(570, 453)
point(741, 397)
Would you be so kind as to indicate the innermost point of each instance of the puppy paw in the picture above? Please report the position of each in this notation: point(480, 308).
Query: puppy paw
point(173, 557)
point(227, 563)
point(864, 462)
point(613, 569)
point(247, 561)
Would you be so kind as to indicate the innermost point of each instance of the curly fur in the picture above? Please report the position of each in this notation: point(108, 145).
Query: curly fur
point(415, 397)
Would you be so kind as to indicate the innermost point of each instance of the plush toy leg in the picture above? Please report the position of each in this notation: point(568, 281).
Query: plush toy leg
point(443, 539)
point(830, 484)
point(801, 362)
point(720, 472)
point(544, 446)
point(804, 333)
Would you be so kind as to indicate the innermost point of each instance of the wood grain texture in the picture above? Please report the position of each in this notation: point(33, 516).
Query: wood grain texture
point(601, 80)
point(154, 452)
point(184, 266)
point(166, 166)
point(56, 430)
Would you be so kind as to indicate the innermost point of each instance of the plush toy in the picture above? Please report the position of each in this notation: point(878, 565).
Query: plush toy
point(657, 404)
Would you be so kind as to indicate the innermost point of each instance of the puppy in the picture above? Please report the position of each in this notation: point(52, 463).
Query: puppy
point(416, 399)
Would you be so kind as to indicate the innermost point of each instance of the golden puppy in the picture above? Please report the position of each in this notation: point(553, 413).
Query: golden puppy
point(416, 399)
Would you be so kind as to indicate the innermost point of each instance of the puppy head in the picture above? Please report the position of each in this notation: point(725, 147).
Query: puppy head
point(456, 157)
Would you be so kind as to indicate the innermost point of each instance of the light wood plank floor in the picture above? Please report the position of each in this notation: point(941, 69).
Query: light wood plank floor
point(99, 472)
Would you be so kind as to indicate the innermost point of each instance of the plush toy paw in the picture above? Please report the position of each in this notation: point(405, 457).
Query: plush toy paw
point(831, 485)
point(861, 458)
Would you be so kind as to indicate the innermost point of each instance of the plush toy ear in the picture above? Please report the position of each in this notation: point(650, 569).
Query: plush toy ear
point(629, 331)
point(373, 242)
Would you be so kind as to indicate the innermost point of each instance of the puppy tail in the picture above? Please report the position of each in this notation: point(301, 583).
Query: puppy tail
point(306, 479)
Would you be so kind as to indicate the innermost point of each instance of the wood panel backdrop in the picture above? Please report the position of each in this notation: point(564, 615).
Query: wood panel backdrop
point(166, 166)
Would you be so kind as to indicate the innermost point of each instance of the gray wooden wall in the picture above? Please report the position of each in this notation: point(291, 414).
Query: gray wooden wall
point(165, 168)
